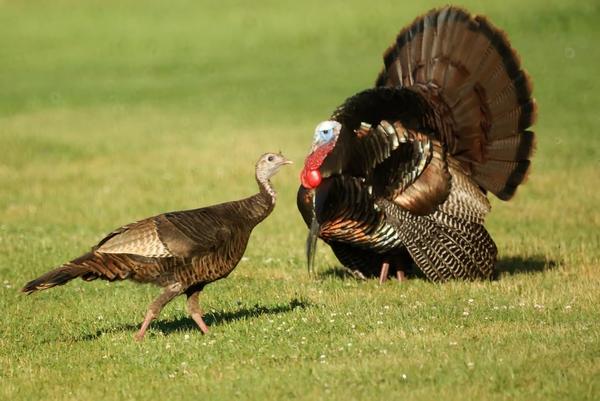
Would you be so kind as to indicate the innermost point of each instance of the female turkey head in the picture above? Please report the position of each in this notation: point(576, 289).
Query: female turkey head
point(269, 164)
point(326, 136)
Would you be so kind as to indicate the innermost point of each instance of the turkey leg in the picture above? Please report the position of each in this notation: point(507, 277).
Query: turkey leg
point(385, 268)
point(400, 275)
point(383, 275)
point(195, 312)
point(155, 307)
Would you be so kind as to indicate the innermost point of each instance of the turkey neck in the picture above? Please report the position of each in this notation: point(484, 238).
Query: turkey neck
point(261, 205)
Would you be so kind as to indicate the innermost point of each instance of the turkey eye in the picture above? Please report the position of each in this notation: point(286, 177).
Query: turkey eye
point(270, 158)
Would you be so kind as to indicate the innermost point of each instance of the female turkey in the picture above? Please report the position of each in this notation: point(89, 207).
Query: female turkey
point(400, 172)
point(180, 251)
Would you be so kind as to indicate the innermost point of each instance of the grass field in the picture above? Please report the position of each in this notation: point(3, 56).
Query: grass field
point(114, 111)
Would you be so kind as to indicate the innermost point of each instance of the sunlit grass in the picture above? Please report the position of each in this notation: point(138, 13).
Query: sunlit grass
point(114, 112)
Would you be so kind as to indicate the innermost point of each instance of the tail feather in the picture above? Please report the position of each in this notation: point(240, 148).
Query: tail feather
point(503, 177)
point(512, 122)
point(466, 63)
point(84, 266)
point(91, 266)
point(58, 276)
point(518, 147)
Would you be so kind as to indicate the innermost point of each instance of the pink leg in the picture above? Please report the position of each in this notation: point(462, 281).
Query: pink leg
point(195, 312)
point(385, 268)
point(400, 276)
point(150, 316)
point(157, 306)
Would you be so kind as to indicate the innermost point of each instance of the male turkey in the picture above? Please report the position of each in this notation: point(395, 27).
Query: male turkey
point(180, 251)
point(400, 172)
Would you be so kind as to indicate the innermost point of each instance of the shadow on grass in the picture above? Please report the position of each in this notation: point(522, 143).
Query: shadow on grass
point(341, 273)
point(337, 272)
point(216, 318)
point(504, 266)
point(523, 265)
point(185, 323)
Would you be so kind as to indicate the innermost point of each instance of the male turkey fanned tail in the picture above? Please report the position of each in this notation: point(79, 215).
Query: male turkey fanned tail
point(480, 97)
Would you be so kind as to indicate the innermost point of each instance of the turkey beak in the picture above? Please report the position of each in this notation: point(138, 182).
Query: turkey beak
point(311, 243)
point(281, 163)
point(284, 160)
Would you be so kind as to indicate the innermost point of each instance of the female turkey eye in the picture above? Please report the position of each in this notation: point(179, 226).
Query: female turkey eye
point(270, 158)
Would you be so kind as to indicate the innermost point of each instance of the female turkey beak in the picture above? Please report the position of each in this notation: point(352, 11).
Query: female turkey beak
point(282, 162)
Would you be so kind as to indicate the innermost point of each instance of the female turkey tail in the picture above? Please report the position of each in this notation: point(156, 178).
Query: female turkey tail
point(479, 96)
point(60, 275)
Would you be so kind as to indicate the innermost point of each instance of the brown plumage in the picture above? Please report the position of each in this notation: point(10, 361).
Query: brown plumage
point(180, 251)
point(400, 173)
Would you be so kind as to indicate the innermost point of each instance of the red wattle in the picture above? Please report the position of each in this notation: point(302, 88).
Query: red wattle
point(310, 175)
point(310, 178)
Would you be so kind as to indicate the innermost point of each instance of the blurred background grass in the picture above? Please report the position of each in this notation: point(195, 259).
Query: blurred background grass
point(113, 111)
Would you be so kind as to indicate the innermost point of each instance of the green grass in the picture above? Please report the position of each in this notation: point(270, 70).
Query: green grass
point(114, 112)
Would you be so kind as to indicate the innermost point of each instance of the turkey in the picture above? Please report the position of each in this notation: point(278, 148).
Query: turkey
point(180, 251)
point(398, 177)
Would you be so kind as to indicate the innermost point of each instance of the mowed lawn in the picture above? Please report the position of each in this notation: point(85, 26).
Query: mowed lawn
point(115, 111)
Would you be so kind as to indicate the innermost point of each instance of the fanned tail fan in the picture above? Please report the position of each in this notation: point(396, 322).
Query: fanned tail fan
point(473, 80)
